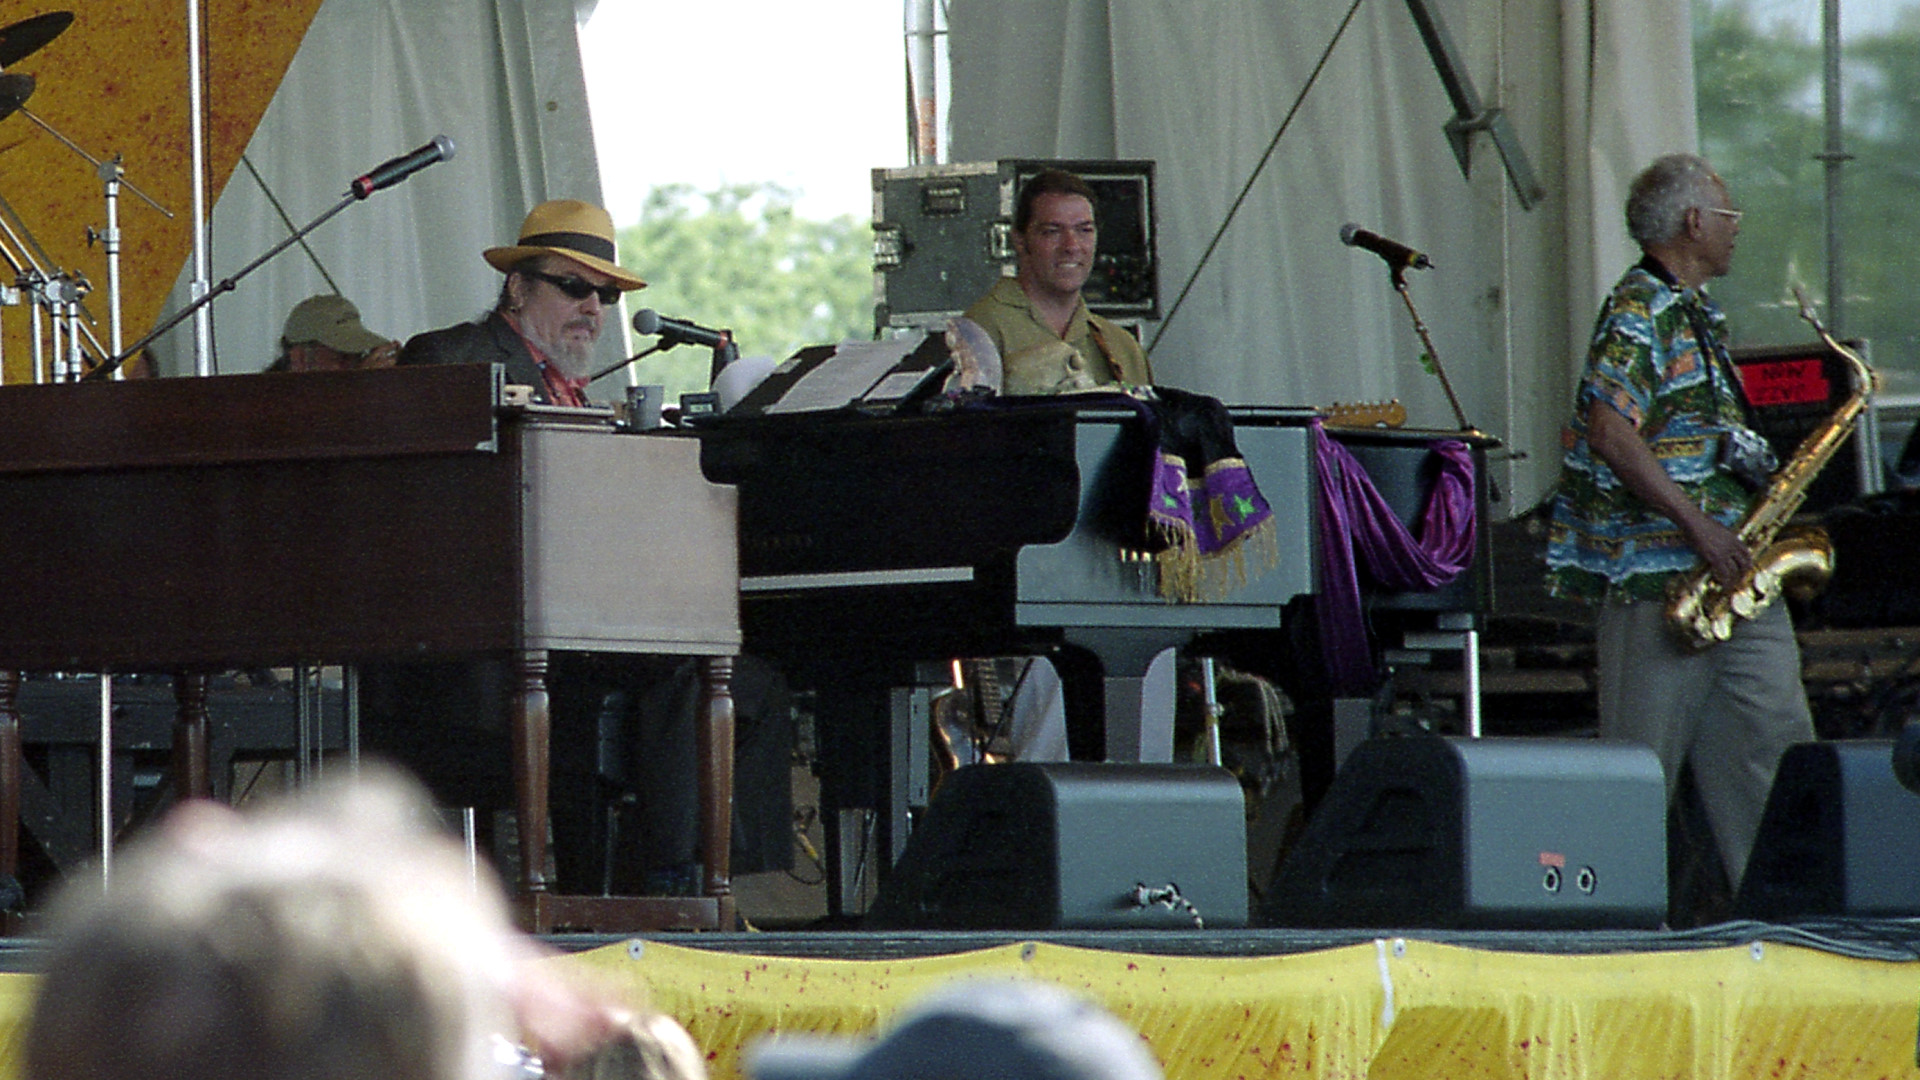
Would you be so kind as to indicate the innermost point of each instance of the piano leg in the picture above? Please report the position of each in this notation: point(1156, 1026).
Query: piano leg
point(715, 749)
point(1119, 698)
point(1140, 713)
point(190, 774)
point(1083, 687)
point(530, 728)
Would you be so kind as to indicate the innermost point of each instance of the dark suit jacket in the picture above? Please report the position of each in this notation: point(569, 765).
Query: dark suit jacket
point(489, 341)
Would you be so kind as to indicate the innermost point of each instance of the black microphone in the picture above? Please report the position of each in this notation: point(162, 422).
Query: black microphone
point(676, 332)
point(1396, 253)
point(392, 172)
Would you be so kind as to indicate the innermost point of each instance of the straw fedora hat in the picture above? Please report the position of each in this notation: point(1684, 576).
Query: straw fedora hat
point(569, 228)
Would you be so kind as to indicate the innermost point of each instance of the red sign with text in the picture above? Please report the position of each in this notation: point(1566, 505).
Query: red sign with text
point(1785, 382)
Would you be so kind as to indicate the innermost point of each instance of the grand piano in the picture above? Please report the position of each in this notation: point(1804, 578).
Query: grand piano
point(872, 544)
point(197, 525)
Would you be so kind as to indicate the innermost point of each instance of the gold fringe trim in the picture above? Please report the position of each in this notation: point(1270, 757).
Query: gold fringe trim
point(1186, 577)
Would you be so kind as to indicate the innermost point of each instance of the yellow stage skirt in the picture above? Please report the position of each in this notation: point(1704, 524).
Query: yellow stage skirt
point(1384, 1010)
point(1389, 1009)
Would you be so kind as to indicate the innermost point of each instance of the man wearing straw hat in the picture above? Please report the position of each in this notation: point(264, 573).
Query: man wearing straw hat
point(620, 723)
point(561, 278)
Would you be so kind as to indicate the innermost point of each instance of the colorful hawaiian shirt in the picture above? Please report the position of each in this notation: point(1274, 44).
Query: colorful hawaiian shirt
point(1646, 362)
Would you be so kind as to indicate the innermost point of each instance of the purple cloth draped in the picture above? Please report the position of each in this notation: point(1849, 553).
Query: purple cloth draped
point(1354, 519)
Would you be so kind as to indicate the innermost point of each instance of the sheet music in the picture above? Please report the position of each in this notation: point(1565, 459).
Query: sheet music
point(844, 377)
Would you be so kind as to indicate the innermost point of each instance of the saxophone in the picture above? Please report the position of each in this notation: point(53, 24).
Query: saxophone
point(1800, 560)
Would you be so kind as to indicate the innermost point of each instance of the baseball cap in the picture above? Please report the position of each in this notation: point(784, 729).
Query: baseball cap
point(982, 1029)
point(332, 321)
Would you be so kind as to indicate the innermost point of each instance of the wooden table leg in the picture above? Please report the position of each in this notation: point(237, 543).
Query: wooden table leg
point(531, 729)
point(10, 774)
point(190, 775)
point(715, 749)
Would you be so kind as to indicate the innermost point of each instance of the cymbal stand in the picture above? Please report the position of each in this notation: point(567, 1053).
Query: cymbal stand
point(62, 294)
point(29, 278)
point(113, 176)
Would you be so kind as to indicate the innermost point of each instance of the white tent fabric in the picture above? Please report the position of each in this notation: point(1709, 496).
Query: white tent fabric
point(374, 79)
point(1283, 313)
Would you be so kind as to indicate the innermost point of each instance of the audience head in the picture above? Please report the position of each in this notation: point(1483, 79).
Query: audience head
point(324, 333)
point(338, 934)
point(981, 1029)
point(649, 1047)
point(561, 276)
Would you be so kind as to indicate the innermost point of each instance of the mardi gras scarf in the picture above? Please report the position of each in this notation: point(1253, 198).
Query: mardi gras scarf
point(1204, 507)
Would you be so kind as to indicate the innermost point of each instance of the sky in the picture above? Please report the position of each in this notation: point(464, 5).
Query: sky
point(806, 93)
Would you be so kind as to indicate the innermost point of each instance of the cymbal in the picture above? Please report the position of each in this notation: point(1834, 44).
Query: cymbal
point(14, 92)
point(24, 38)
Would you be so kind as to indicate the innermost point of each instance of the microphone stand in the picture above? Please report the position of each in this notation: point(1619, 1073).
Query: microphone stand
point(723, 354)
point(225, 285)
point(642, 354)
point(1399, 274)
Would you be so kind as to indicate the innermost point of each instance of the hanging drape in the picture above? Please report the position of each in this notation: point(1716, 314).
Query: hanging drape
point(1358, 532)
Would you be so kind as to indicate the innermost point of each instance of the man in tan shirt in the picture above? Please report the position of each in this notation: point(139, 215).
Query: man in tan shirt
point(1049, 342)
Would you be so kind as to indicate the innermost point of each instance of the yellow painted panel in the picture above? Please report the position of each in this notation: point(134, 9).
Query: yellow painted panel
point(116, 83)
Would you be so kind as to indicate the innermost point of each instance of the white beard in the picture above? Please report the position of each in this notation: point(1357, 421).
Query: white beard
point(573, 359)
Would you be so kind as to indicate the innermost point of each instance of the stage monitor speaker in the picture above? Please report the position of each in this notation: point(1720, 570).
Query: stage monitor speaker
point(1840, 837)
point(1035, 846)
point(1448, 833)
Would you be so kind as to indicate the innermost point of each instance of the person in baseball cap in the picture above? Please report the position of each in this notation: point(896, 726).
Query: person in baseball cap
point(324, 333)
point(976, 1029)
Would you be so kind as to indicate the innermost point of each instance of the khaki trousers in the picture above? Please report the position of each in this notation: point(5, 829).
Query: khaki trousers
point(1731, 709)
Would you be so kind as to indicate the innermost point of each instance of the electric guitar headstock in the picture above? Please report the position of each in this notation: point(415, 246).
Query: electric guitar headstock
point(1379, 414)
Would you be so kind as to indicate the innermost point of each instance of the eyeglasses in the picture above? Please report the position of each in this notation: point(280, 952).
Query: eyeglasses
point(1731, 215)
point(578, 288)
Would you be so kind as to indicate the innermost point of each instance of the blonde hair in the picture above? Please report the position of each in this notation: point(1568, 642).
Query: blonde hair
point(330, 937)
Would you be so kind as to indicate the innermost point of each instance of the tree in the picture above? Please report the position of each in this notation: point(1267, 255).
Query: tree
point(1758, 96)
point(740, 258)
point(1759, 90)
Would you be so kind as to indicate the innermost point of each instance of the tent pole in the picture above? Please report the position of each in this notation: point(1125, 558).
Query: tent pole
point(202, 319)
point(923, 82)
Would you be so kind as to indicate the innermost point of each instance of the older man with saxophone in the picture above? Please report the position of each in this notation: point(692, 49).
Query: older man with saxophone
point(1661, 462)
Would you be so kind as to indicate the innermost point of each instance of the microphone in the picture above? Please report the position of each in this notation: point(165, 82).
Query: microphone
point(398, 169)
point(677, 332)
point(1397, 254)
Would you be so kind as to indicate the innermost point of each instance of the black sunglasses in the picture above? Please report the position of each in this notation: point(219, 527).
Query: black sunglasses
point(578, 288)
